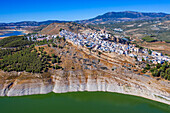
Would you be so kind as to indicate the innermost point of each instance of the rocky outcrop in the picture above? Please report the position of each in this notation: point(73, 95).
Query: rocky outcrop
point(30, 89)
point(74, 84)
point(73, 81)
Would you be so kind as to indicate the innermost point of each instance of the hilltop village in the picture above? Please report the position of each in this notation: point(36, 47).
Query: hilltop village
point(64, 61)
point(99, 54)
point(104, 42)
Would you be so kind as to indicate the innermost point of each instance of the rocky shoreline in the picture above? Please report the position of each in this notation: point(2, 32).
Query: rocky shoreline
point(75, 82)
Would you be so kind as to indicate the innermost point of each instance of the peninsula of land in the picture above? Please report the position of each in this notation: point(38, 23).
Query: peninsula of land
point(72, 57)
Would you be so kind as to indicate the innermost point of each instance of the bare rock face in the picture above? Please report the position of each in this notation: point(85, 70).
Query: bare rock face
point(30, 89)
point(27, 88)
point(73, 81)
point(18, 84)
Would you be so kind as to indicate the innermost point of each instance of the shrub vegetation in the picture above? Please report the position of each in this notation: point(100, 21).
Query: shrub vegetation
point(149, 39)
point(161, 71)
point(14, 41)
point(27, 59)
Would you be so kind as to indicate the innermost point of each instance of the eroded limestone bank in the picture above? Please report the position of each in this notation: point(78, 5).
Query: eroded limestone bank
point(73, 81)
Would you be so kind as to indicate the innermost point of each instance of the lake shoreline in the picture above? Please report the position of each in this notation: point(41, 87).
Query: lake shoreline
point(85, 101)
point(10, 30)
point(72, 84)
point(144, 97)
point(96, 91)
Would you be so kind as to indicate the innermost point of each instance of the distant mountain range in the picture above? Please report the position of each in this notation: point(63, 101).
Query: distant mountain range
point(105, 18)
point(31, 23)
point(123, 16)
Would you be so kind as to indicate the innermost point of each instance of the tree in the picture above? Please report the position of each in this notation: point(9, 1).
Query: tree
point(149, 51)
point(57, 37)
point(54, 45)
point(58, 59)
point(64, 39)
point(166, 76)
point(98, 60)
point(143, 71)
point(53, 55)
point(48, 45)
point(167, 71)
point(45, 52)
point(53, 60)
point(147, 66)
point(158, 65)
point(99, 53)
point(155, 73)
point(60, 47)
point(161, 70)
point(32, 46)
point(162, 74)
point(57, 67)
point(45, 69)
point(60, 29)
point(89, 50)
point(136, 58)
point(143, 59)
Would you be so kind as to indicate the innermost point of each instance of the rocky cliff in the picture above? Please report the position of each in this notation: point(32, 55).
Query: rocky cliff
point(73, 81)
point(84, 70)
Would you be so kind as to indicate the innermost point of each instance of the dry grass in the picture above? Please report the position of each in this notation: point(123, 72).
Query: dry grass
point(157, 46)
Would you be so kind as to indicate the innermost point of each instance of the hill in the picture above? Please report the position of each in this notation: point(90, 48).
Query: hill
point(65, 68)
point(158, 27)
point(123, 16)
point(54, 28)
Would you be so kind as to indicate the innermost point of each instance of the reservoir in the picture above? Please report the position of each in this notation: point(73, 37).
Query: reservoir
point(81, 102)
point(12, 33)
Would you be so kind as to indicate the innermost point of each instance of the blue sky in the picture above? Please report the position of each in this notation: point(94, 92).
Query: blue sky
point(41, 10)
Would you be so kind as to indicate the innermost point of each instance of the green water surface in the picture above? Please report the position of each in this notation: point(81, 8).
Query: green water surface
point(81, 102)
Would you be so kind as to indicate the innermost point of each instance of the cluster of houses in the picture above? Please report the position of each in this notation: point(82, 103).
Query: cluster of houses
point(159, 58)
point(99, 41)
point(118, 29)
point(39, 37)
